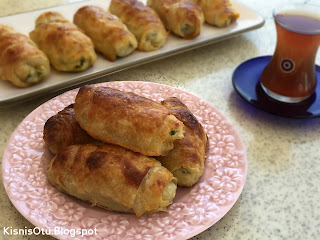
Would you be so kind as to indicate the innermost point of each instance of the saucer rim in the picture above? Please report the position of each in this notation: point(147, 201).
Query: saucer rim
point(272, 101)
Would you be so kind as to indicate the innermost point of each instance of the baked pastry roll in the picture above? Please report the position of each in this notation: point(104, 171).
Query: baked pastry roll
point(21, 62)
point(142, 21)
point(109, 35)
point(181, 17)
point(186, 159)
point(113, 177)
point(62, 130)
point(127, 119)
point(218, 12)
point(67, 47)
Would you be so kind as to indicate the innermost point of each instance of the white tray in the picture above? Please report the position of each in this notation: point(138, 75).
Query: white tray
point(24, 23)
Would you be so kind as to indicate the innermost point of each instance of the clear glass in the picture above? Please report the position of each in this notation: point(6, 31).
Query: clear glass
point(290, 75)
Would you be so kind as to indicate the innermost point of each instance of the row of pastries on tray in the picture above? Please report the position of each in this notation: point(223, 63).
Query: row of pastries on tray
point(128, 25)
point(124, 152)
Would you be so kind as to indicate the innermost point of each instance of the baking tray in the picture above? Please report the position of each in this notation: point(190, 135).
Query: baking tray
point(24, 23)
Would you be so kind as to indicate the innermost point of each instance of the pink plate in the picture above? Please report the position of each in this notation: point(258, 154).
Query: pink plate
point(193, 210)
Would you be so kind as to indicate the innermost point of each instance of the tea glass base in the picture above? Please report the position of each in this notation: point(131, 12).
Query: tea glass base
point(282, 98)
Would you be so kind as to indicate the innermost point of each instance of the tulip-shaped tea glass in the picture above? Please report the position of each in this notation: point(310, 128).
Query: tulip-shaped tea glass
point(290, 75)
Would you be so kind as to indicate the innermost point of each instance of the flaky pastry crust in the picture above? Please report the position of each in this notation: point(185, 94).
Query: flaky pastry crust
point(127, 119)
point(113, 177)
point(21, 62)
point(142, 21)
point(66, 46)
point(110, 36)
point(186, 159)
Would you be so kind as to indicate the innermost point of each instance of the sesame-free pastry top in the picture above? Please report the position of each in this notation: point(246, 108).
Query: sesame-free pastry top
point(127, 119)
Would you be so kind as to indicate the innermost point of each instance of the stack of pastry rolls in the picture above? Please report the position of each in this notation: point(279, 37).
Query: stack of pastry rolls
point(112, 148)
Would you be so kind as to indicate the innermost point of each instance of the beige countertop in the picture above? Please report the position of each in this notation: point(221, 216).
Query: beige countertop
point(280, 199)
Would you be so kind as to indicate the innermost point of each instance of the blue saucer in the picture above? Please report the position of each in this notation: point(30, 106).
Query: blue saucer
point(246, 81)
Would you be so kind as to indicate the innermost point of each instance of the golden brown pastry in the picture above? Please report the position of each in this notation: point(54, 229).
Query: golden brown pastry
point(127, 119)
point(142, 21)
point(181, 17)
point(186, 159)
point(62, 130)
point(109, 35)
point(67, 47)
point(113, 177)
point(217, 12)
point(21, 62)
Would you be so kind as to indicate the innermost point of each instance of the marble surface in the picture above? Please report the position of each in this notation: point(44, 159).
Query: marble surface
point(281, 196)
